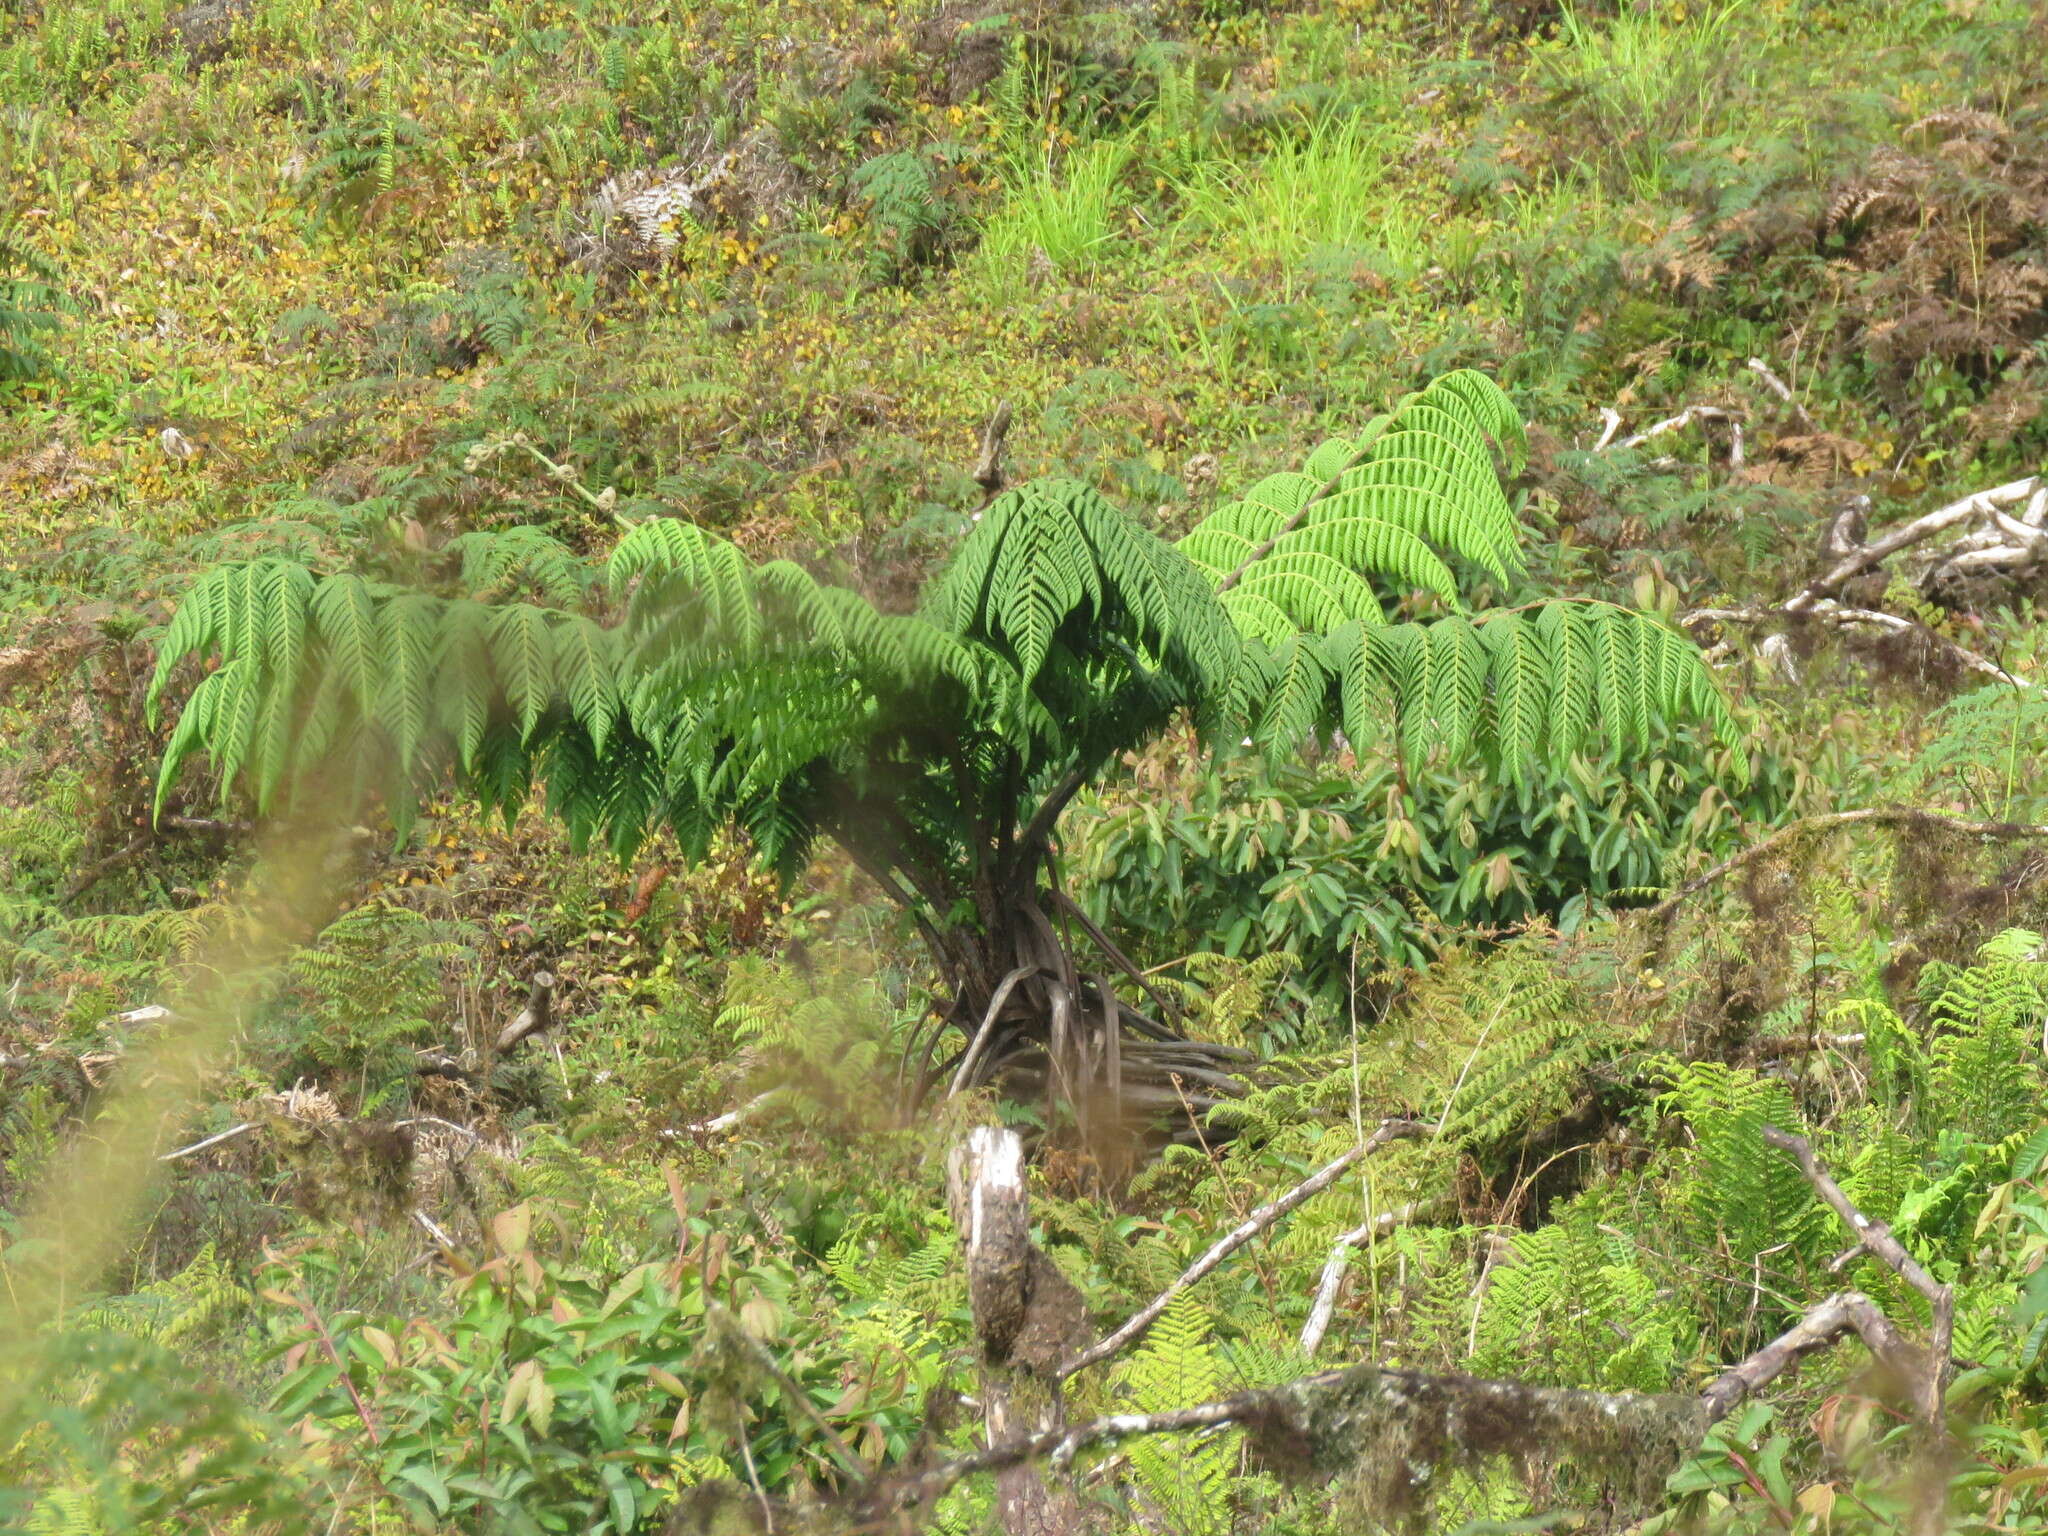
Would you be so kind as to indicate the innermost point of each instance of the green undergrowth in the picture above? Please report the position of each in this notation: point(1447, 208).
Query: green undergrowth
point(344, 284)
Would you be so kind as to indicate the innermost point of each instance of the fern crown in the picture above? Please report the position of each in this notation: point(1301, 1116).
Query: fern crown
point(1061, 633)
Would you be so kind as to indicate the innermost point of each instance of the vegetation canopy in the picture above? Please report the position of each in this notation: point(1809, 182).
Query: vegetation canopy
point(694, 688)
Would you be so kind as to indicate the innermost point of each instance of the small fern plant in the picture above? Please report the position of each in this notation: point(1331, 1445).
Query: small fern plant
point(939, 749)
point(29, 301)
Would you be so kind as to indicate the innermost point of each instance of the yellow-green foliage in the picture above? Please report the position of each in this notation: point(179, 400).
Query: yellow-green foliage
point(389, 316)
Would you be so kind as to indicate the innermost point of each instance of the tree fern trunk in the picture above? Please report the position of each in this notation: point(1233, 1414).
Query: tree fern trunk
point(1027, 1019)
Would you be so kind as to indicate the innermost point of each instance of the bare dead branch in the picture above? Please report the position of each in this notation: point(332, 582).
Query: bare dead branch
point(1977, 504)
point(1843, 1313)
point(1884, 815)
point(99, 868)
point(988, 469)
point(1783, 391)
point(1333, 1271)
point(1259, 1220)
point(1684, 418)
point(1826, 610)
point(1325, 1422)
point(212, 1141)
point(727, 1121)
point(536, 1018)
point(1326, 1419)
point(1876, 1239)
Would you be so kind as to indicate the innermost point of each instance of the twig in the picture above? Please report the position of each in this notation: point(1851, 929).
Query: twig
point(214, 1140)
point(1884, 815)
point(1259, 1220)
point(1333, 1271)
point(432, 1228)
point(1876, 1238)
point(1827, 611)
point(1783, 391)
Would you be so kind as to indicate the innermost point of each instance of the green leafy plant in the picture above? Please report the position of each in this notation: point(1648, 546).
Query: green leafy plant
point(29, 301)
point(563, 1399)
point(906, 216)
point(939, 749)
point(1327, 861)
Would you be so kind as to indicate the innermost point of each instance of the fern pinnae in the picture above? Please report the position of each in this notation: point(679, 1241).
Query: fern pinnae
point(1518, 671)
point(345, 618)
point(407, 629)
point(523, 642)
point(1458, 664)
point(587, 656)
point(1569, 651)
point(1373, 544)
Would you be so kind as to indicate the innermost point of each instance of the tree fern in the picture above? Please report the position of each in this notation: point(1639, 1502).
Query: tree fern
point(938, 747)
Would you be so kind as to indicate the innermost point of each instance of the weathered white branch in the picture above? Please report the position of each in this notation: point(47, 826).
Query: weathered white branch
point(212, 1141)
point(726, 1121)
point(1684, 418)
point(1259, 1220)
point(1334, 1267)
point(1977, 504)
point(1932, 1366)
point(1827, 610)
point(1783, 391)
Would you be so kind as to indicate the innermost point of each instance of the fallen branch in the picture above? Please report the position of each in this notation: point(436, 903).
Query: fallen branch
point(1333, 1271)
point(212, 1141)
point(726, 1121)
point(1884, 815)
point(1977, 504)
point(1843, 1313)
point(1827, 611)
point(1875, 1238)
point(1684, 418)
point(1783, 391)
point(1393, 1426)
point(1331, 1421)
point(1259, 1220)
point(97, 870)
